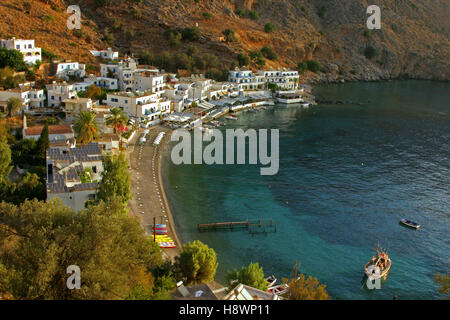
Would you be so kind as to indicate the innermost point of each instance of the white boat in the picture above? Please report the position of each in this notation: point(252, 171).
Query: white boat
point(306, 105)
point(231, 117)
point(271, 281)
point(279, 290)
point(410, 223)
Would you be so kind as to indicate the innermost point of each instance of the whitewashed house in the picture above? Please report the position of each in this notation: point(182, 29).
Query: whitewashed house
point(284, 79)
point(148, 81)
point(27, 93)
point(73, 106)
point(58, 92)
point(73, 174)
point(66, 69)
point(142, 107)
point(31, 54)
point(106, 83)
point(123, 70)
point(106, 54)
point(246, 80)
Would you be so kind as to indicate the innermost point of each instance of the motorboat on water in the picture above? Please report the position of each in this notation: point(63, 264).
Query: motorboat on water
point(379, 265)
point(410, 223)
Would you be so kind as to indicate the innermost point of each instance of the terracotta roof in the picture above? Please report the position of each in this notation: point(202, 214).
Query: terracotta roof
point(55, 129)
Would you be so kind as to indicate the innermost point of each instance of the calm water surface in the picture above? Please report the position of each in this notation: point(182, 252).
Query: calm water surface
point(348, 174)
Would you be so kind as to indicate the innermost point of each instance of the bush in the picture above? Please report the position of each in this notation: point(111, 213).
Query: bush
point(367, 33)
point(269, 53)
point(370, 52)
point(229, 35)
point(191, 34)
point(240, 13)
point(269, 27)
point(13, 59)
point(321, 12)
point(253, 15)
point(302, 66)
point(243, 60)
point(207, 15)
point(100, 3)
point(313, 65)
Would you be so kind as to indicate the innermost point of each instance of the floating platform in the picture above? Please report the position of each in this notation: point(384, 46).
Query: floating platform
point(257, 226)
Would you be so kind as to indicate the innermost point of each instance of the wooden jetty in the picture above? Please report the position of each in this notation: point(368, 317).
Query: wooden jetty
point(258, 226)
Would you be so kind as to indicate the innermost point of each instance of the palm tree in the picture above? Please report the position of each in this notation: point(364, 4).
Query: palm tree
point(118, 121)
point(86, 127)
point(13, 106)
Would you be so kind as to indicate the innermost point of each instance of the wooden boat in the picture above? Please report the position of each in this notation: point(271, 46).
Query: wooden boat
point(279, 290)
point(271, 281)
point(379, 266)
point(410, 223)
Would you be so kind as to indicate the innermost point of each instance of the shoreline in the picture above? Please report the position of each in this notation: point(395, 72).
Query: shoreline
point(154, 204)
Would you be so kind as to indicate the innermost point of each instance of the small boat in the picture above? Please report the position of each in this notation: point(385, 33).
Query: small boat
point(230, 117)
point(279, 290)
point(379, 266)
point(271, 281)
point(306, 105)
point(410, 223)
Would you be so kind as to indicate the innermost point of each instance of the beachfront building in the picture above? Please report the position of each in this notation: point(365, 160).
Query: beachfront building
point(67, 69)
point(284, 79)
point(73, 174)
point(106, 54)
point(143, 107)
point(178, 96)
point(31, 54)
point(27, 93)
point(58, 92)
point(246, 80)
point(73, 106)
point(148, 81)
point(102, 82)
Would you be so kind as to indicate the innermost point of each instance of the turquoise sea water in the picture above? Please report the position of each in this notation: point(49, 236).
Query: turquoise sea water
point(348, 174)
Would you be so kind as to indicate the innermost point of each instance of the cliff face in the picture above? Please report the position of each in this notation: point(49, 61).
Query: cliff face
point(413, 40)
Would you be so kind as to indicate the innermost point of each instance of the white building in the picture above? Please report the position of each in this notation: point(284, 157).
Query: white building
point(73, 174)
point(246, 80)
point(141, 106)
point(66, 69)
point(106, 54)
point(122, 70)
point(73, 106)
point(58, 92)
point(148, 81)
point(107, 83)
point(31, 54)
point(30, 96)
point(284, 79)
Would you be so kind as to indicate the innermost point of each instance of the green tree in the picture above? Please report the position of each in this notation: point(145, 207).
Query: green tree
point(40, 240)
point(197, 263)
point(93, 92)
point(444, 282)
point(207, 15)
point(12, 58)
point(191, 34)
point(191, 51)
point(115, 181)
point(13, 106)
point(269, 53)
point(313, 65)
point(253, 276)
point(370, 52)
point(43, 142)
point(302, 67)
point(309, 288)
point(229, 35)
point(253, 15)
point(269, 27)
point(5, 160)
point(243, 60)
point(117, 120)
point(86, 127)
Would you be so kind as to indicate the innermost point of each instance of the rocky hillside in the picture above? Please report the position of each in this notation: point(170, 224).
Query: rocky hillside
point(413, 41)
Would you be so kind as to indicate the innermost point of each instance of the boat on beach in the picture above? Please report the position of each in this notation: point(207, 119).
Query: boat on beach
point(410, 223)
point(379, 265)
